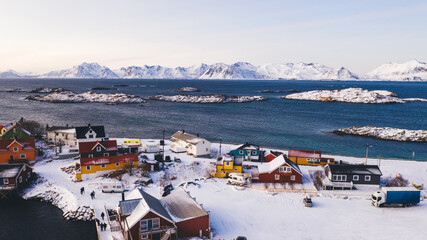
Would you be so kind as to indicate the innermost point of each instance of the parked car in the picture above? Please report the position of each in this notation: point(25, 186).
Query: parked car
point(237, 179)
point(241, 238)
point(307, 202)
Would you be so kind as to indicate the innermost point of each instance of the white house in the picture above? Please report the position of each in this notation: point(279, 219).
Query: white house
point(192, 145)
point(62, 136)
point(90, 133)
point(150, 146)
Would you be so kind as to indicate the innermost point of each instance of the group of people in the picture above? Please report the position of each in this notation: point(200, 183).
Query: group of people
point(92, 194)
point(103, 226)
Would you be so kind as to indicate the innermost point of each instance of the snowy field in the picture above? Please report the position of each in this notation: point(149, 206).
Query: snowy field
point(236, 211)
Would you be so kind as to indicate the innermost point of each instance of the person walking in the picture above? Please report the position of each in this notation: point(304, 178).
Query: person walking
point(102, 215)
point(82, 190)
point(92, 194)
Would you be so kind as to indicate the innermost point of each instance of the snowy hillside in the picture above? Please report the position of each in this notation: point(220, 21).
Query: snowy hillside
point(84, 70)
point(10, 74)
point(409, 71)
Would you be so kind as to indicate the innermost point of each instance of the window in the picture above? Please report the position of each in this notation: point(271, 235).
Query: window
point(145, 237)
point(355, 177)
point(156, 223)
point(6, 181)
point(367, 178)
point(28, 174)
point(90, 156)
point(339, 178)
point(207, 149)
point(241, 152)
point(144, 225)
point(91, 136)
point(130, 163)
point(20, 179)
point(254, 153)
point(102, 165)
point(285, 169)
point(117, 164)
point(98, 149)
point(88, 168)
point(236, 169)
point(227, 164)
point(23, 156)
point(106, 154)
point(15, 149)
point(24, 168)
point(293, 178)
point(276, 177)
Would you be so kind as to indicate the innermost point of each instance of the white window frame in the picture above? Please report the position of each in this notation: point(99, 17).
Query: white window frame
point(144, 236)
point(339, 177)
point(117, 164)
point(130, 163)
point(254, 152)
point(90, 155)
point(277, 177)
point(15, 149)
point(293, 178)
point(106, 154)
point(20, 179)
point(355, 177)
point(367, 178)
point(240, 151)
point(146, 225)
point(24, 168)
point(157, 220)
point(285, 169)
point(98, 149)
point(23, 156)
point(227, 164)
point(103, 166)
point(88, 168)
point(6, 180)
point(28, 174)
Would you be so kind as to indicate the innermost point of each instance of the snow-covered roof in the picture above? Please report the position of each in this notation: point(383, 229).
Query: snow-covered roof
point(71, 130)
point(146, 204)
point(275, 164)
point(186, 137)
point(181, 206)
point(10, 171)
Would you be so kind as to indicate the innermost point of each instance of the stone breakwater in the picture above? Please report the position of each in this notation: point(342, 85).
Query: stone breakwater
point(385, 133)
point(349, 95)
point(71, 97)
point(219, 98)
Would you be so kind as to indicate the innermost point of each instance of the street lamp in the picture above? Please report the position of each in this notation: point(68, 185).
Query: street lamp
point(220, 141)
point(367, 147)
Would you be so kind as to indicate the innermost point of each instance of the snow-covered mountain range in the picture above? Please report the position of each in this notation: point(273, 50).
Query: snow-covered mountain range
point(408, 71)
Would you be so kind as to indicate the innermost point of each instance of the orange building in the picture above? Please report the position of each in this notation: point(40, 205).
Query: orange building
point(17, 150)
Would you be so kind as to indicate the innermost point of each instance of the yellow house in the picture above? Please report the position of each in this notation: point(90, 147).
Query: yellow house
point(131, 142)
point(226, 165)
point(312, 158)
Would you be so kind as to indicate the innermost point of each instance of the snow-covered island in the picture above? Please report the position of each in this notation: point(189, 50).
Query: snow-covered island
point(385, 133)
point(38, 90)
point(280, 91)
point(188, 89)
point(72, 97)
point(349, 95)
point(217, 98)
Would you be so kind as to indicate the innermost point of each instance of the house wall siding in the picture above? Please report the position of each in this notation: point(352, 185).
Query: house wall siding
point(284, 177)
point(192, 227)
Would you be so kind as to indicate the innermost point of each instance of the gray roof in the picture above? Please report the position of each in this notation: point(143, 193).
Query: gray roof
point(154, 204)
point(127, 206)
point(182, 206)
point(355, 169)
point(292, 164)
point(10, 170)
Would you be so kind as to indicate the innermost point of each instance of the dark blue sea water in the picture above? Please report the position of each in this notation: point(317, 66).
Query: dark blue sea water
point(35, 220)
point(275, 123)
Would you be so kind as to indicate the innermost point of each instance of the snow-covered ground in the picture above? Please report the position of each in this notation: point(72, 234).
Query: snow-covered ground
point(386, 133)
point(350, 95)
point(250, 212)
point(71, 97)
point(219, 98)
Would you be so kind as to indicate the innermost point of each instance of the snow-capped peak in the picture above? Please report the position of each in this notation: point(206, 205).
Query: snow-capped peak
point(84, 70)
point(407, 71)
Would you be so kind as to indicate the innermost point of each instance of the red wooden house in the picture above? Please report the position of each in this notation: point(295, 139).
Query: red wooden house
point(13, 176)
point(177, 215)
point(279, 170)
point(22, 150)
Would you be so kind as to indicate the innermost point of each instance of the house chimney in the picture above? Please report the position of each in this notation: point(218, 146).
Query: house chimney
point(88, 124)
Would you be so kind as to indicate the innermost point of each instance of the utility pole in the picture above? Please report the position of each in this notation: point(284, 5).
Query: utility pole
point(367, 147)
point(220, 141)
point(163, 152)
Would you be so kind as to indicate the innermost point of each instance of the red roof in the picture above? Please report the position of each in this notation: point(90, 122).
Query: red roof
point(269, 157)
point(27, 143)
point(109, 159)
point(304, 154)
point(86, 147)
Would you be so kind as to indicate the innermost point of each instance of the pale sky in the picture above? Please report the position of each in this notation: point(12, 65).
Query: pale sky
point(42, 35)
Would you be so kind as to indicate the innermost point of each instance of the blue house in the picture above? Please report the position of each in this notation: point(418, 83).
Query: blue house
point(247, 152)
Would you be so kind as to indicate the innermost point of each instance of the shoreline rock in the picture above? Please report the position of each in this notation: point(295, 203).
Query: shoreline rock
point(188, 89)
point(349, 95)
point(385, 133)
point(71, 97)
point(218, 98)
